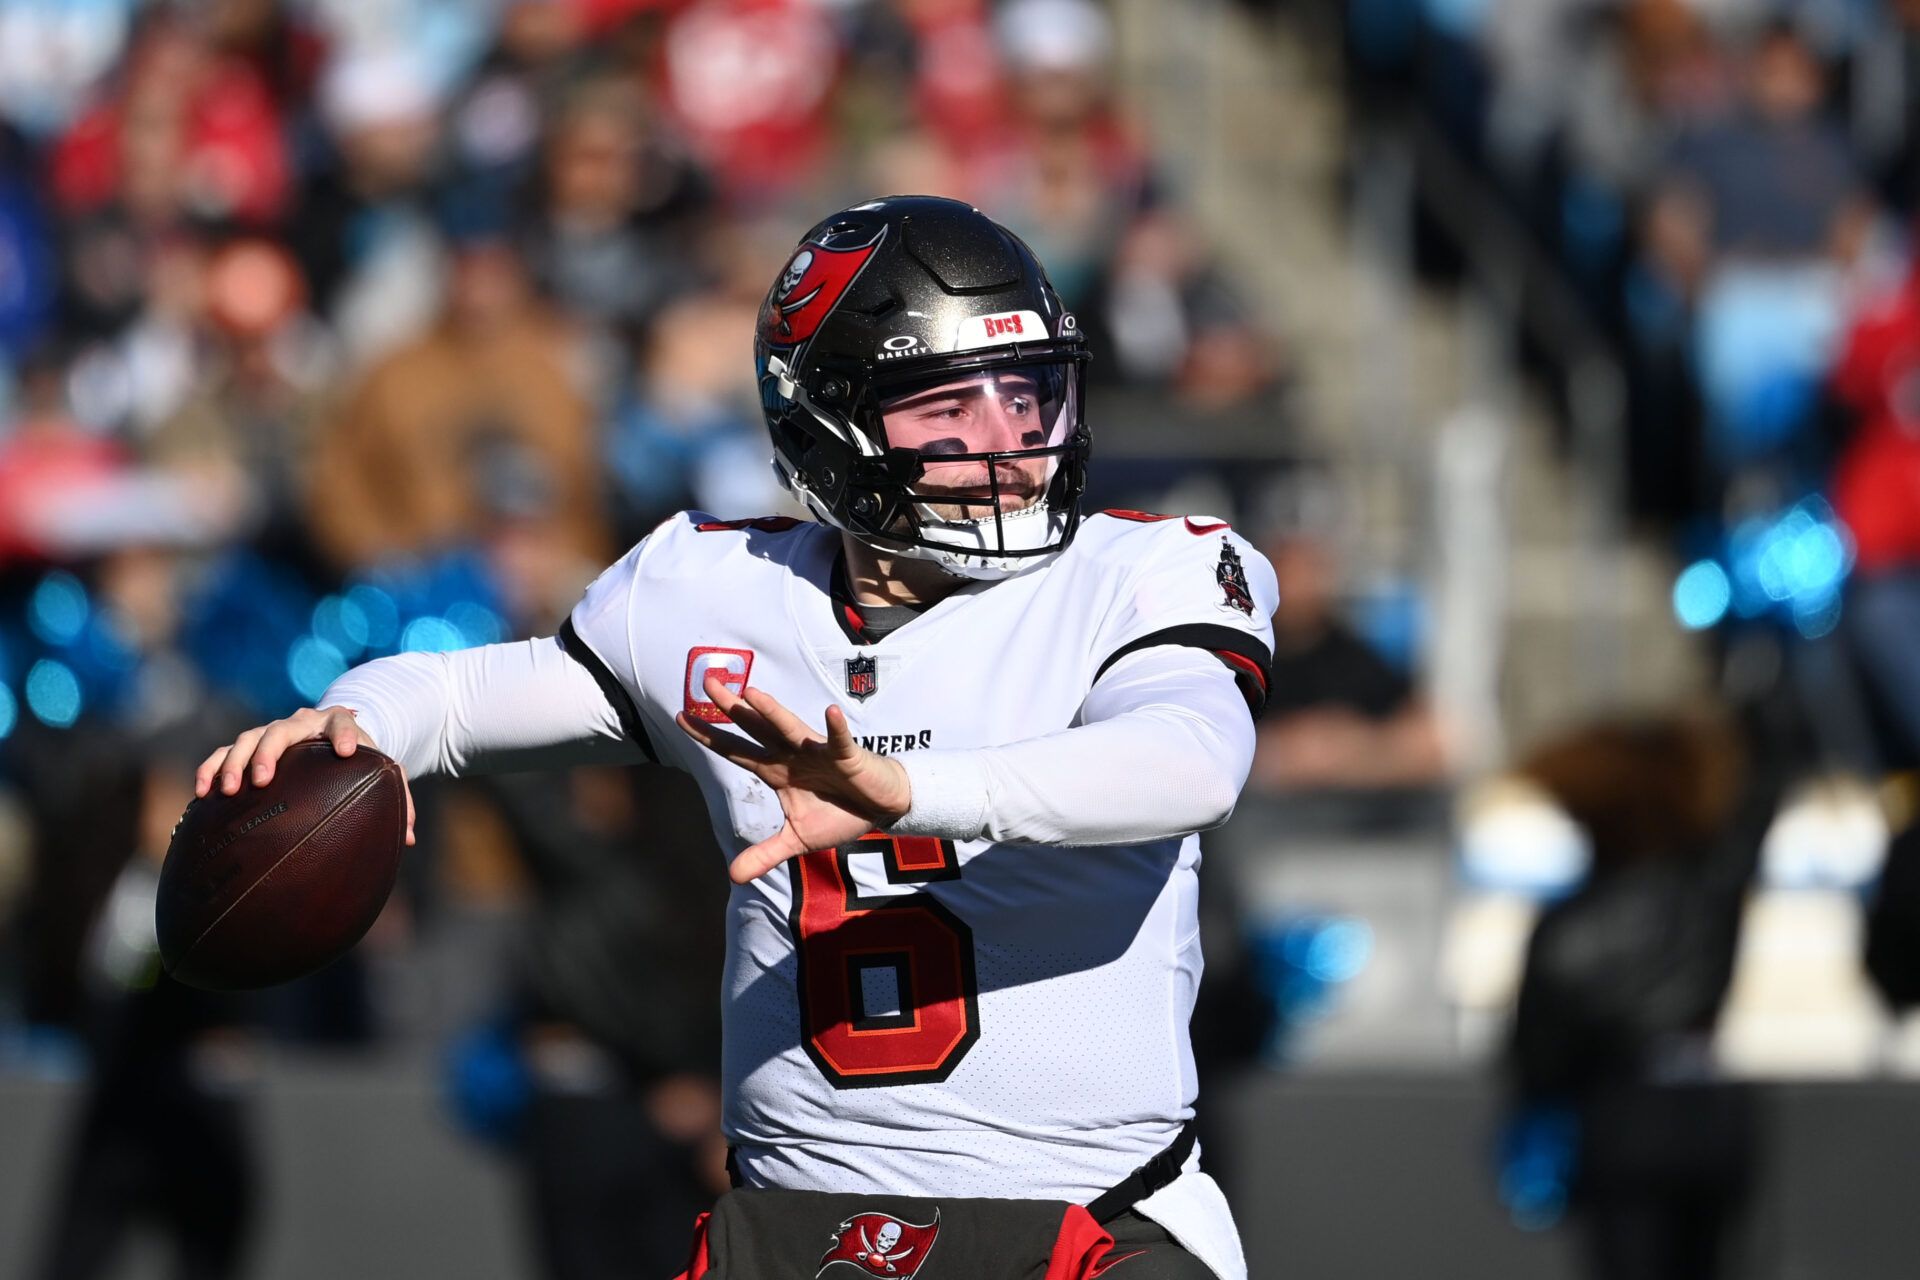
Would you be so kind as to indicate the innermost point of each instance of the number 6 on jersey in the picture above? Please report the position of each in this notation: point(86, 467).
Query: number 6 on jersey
point(849, 945)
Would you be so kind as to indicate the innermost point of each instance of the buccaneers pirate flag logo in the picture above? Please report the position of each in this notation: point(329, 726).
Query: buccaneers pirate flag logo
point(1232, 577)
point(808, 289)
point(881, 1245)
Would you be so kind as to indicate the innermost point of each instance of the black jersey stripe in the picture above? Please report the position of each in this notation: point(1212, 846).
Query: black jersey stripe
point(1250, 661)
point(623, 706)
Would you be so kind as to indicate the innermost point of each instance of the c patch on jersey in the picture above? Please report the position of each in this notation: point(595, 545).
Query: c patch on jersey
point(881, 1245)
point(733, 667)
point(1232, 577)
point(863, 677)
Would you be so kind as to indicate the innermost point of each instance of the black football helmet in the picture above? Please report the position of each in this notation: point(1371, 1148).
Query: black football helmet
point(892, 298)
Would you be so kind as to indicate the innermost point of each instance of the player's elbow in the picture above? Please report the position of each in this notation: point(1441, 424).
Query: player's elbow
point(1214, 796)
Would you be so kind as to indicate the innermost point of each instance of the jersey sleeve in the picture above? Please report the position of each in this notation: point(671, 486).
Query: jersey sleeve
point(1198, 584)
point(599, 635)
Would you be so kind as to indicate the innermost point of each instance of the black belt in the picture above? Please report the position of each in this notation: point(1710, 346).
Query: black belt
point(1147, 1179)
point(1117, 1199)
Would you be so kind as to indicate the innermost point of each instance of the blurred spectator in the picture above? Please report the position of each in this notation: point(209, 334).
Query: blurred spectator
point(161, 1138)
point(29, 265)
point(1339, 717)
point(608, 236)
point(365, 226)
point(1876, 493)
point(52, 52)
point(1624, 981)
point(1770, 182)
point(488, 398)
point(191, 131)
point(1757, 213)
point(691, 434)
point(1893, 920)
point(246, 423)
point(1077, 182)
point(751, 82)
point(620, 1140)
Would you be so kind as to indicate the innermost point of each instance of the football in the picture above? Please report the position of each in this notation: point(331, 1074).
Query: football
point(271, 883)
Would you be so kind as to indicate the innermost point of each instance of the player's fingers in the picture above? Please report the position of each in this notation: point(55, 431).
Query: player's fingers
point(342, 730)
point(407, 788)
point(238, 759)
point(795, 731)
point(730, 747)
point(281, 734)
point(204, 775)
point(756, 860)
point(840, 735)
point(744, 716)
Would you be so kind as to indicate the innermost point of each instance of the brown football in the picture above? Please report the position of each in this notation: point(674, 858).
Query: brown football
point(270, 884)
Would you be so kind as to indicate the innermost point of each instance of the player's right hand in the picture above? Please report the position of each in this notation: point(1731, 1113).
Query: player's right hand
point(253, 754)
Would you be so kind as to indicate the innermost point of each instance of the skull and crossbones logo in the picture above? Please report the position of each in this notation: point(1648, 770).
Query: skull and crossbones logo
point(790, 278)
point(879, 1252)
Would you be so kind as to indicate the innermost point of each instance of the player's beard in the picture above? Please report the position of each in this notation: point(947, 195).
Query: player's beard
point(1021, 484)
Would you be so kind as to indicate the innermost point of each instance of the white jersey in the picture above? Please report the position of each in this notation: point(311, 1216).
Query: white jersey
point(913, 1014)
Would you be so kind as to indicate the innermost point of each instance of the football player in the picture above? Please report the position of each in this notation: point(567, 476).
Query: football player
point(962, 938)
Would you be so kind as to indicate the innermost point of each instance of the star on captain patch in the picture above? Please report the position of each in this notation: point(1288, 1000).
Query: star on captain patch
point(863, 677)
point(1232, 577)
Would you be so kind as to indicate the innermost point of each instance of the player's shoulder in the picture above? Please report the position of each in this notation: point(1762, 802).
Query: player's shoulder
point(696, 544)
point(1135, 538)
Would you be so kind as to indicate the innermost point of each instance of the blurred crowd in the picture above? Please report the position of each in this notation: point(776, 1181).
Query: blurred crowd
point(336, 328)
point(1728, 188)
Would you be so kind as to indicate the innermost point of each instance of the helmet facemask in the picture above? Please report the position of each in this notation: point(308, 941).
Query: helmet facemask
point(924, 489)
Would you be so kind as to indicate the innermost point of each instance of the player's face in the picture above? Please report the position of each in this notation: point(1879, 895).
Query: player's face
point(1005, 411)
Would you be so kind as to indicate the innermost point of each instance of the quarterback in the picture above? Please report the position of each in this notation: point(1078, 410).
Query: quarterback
point(962, 939)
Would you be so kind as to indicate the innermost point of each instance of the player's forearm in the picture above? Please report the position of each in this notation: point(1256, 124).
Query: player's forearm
point(1166, 749)
point(494, 708)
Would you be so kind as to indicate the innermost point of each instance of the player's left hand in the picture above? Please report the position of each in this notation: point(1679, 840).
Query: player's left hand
point(831, 788)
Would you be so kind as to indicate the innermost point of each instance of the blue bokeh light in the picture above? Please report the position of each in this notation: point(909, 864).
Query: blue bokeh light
point(377, 609)
point(431, 635)
point(53, 693)
point(476, 623)
point(1701, 595)
point(312, 665)
point(9, 712)
point(58, 609)
point(1339, 951)
point(342, 623)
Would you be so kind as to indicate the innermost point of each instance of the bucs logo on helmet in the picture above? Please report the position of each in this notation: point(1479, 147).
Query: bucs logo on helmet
point(808, 290)
point(881, 1245)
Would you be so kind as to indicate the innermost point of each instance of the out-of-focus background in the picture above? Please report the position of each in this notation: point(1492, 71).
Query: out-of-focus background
point(1564, 356)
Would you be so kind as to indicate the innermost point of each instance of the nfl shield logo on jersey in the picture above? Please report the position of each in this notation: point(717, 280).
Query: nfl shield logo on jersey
point(863, 677)
point(880, 1245)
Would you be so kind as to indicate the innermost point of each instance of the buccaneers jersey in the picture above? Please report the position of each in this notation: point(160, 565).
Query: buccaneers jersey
point(913, 1014)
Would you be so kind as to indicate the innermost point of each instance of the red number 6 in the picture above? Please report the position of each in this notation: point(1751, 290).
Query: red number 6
point(842, 937)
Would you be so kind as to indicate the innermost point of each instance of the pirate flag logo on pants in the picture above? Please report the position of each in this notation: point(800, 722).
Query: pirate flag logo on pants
point(881, 1245)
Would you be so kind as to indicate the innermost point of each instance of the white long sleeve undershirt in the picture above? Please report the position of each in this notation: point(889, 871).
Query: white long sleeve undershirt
point(1163, 749)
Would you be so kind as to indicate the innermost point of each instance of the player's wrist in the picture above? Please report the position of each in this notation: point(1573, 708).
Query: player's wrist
point(948, 795)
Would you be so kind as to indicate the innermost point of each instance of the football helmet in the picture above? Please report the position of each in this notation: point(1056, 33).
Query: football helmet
point(896, 299)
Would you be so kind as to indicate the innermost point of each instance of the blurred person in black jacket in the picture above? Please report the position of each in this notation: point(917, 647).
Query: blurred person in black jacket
point(616, 1017)
point(1624, 981)
point(1893, 921)
point(161, 1138)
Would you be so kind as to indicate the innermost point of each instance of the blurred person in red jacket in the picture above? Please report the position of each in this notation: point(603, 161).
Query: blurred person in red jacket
point(1876, 493)
point(187, 133)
